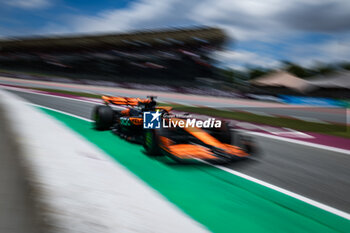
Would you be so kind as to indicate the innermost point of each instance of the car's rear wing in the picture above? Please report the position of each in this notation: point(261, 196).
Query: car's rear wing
point(121, 100)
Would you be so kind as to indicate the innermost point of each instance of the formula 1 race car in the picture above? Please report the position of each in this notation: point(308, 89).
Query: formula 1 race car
point(125, 117)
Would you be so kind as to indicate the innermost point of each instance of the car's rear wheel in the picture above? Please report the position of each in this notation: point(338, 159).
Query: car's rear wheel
point(151, 142)
point(103, 117)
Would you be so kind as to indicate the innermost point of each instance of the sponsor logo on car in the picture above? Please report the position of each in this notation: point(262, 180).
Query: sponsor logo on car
point(194, 123)
point(153, 120)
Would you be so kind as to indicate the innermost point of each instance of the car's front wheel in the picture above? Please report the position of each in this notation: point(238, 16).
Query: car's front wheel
point(150, 142)
point(223, 134)
point(247, 144)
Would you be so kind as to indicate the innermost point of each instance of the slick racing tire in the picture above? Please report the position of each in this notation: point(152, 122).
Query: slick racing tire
point(223, 134)
point(247, 144)
point(103, 117)
point(151, 142)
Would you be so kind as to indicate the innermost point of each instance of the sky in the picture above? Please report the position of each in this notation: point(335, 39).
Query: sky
point(262, 32)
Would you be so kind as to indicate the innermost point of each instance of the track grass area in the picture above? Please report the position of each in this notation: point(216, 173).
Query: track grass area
point(217, 199)
point(328, 129)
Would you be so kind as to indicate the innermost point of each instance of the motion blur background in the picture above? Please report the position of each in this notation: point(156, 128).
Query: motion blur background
point(251, 49)
point(276, 70)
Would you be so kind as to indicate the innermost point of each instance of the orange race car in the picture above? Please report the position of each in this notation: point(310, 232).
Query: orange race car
point(162, 133)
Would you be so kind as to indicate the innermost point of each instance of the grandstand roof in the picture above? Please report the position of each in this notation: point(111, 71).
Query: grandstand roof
point(340, 79)
point(213, 36)
point(281, 79)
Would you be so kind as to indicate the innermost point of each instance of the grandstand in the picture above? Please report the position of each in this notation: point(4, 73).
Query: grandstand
point(163, 56)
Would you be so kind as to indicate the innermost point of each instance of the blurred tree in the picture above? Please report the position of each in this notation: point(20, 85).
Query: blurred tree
point(323, 69)
point(257, 72)
point(345, 65)
point(298, 70)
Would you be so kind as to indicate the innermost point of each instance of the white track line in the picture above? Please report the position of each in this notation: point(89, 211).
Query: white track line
point(247, 177)
point(310, 144)
point(72, 180)
point(286, 192)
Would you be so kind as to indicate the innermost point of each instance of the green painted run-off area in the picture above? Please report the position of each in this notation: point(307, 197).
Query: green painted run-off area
point(217, 199)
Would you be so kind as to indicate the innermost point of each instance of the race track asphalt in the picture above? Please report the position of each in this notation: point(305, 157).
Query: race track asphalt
point(337, 115)
point(318, 174)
